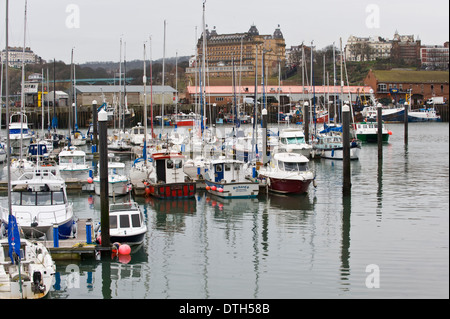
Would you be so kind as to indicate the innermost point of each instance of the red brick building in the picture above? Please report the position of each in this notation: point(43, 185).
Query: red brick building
point(395, 84)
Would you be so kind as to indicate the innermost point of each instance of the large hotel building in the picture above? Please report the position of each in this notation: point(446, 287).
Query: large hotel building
point(238, 51)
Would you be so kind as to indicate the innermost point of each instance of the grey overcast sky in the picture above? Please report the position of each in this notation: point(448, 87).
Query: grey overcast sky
point(94, 27)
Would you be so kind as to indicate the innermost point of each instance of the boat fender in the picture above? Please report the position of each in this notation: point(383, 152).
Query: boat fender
point(115, 248)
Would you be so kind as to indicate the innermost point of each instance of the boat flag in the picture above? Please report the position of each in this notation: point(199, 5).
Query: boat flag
point(13, 238)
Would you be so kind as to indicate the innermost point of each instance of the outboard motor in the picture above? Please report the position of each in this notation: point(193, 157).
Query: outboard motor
point(37, 286)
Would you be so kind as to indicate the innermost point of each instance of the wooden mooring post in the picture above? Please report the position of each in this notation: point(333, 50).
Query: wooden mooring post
point(347, 185)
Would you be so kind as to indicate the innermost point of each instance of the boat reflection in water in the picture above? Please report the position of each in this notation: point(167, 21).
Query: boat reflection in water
point(170, 214)
point(70, 275)
point(301, 202)
point(232, 205)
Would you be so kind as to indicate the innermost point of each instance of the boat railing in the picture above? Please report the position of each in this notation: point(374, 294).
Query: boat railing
point(39, 216)
point(49, 172)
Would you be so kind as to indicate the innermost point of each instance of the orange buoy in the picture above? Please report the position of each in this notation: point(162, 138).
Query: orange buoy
point(208, 188)
point(90, 180)
point(124, 249)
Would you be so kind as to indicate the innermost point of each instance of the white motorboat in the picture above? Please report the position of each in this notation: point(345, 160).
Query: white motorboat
point(292, 140)
point(126, 223)
point(72, 164)
point(330, 146)
point(368, 132)
point(118, 182)
point(19, 167)
point(19, 131)
point(227, 178)
point(77, 138)
point(137, 135)
point(288, 173)
point(423, 115)
point(39, 203)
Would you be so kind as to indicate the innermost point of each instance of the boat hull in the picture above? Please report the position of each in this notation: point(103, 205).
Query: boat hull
point(173, 190)
point(114, 188)
point(80, 175)
point(287, 186)
point(372, 138)
point(338, 153)
point(422, 118)
point(233, 190)
point(128, 239)
point(394, 116)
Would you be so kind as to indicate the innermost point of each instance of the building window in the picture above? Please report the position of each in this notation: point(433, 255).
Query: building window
point(442, 88)
point(382, 87)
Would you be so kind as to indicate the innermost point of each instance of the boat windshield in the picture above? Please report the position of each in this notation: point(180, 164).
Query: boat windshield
point(293, 140)
point(75, 159)
point(123, 221)
point(37, 198)
point(295, 167)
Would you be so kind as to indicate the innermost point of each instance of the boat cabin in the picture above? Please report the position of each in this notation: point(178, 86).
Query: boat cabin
point(289, 137)
point(37, 150)
point(125, 216)
point(227, 170)
point(330, 141)
point(72, 156)
point(169, 167)
point(138, 130)
point(290, 162)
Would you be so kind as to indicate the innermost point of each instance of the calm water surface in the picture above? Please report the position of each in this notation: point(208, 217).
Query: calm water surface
point(312, 246)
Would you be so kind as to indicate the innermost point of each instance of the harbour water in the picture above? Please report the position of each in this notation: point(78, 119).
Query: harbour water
point(389, 239)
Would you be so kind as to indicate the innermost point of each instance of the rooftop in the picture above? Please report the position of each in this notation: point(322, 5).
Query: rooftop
point(157, 89)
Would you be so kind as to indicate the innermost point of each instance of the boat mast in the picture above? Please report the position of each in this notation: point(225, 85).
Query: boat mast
point(163, 71)
point(151, 90)
point(176, 86)
point(22, 94)
point(255, 107)
point(42, 105)
point(55, 119)
point(205, 38)
point(70, 98)
point(334, 83)
point(314, 89)
point(144, 80)
point(8, 140)
point(125, 98)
